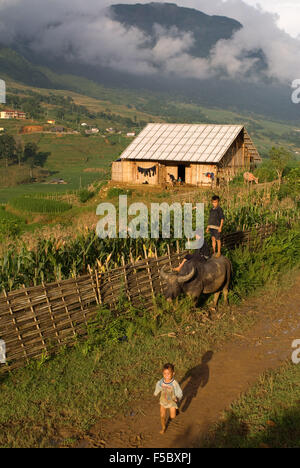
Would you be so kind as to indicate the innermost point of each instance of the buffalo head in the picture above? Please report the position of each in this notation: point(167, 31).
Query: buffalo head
point(175, 282)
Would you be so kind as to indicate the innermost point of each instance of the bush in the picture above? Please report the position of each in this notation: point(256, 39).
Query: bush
point(10, 225)
point(85, 195)
point(265, 172)
point(238, 180)
point(116, 192)
point(35, 205)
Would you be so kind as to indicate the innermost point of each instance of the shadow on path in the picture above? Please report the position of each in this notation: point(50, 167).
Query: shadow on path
point(197, 377)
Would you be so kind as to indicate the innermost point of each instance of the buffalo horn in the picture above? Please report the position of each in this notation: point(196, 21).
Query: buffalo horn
point(186, 278)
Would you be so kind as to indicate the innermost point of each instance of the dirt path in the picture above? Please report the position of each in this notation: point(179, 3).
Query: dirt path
point(215, 383)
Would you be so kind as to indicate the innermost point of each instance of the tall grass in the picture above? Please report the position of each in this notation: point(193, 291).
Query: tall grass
point(39, 205)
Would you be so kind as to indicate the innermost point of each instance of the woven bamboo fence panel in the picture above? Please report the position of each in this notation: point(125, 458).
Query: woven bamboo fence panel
point(37, 321)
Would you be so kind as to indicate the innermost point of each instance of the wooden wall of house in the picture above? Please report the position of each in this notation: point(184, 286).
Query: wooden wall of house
point(236, 160)
point(127, 172)
point(195, 175)
point(169, 170)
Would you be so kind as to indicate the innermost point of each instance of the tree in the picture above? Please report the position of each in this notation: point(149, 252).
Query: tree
point(19, 149)
point(7, 148)
point(30, 155)
point(33, 157)
point(280, 157)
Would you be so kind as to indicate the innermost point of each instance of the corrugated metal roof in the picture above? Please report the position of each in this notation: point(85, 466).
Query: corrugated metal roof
point(183, 142)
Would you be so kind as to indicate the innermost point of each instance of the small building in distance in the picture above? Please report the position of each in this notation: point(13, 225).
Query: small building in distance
point(51, 121)
point(196, 154)
point(12, 114)
point(130, 134)
point(92, 131)
point(57, 129)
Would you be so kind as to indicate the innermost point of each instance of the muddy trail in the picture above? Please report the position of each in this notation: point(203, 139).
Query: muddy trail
point(218, 380)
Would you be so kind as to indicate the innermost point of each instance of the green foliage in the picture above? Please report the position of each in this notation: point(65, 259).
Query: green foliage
point(280, 157)
point(7, 148)
point(84, 195)
point(37, 205)
point(279, 253)
point(238, 180)
point(267, 415)
point(10, 225)
point(265, 172)
point(116, 192)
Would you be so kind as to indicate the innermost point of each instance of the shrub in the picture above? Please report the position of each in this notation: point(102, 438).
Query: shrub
point(85, 195)
point(10, 225)
point(116, 192)
point(265, 172)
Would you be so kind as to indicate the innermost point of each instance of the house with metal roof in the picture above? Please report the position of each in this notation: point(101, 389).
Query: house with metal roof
point(195, 154)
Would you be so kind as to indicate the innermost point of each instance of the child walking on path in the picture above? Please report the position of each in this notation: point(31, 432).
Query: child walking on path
point(215, 224)
point(170, 392)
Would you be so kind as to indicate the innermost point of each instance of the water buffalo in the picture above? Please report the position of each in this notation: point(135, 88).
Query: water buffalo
point(195, 278)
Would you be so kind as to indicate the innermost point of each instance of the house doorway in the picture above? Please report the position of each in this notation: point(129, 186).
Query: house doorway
point(181, 173)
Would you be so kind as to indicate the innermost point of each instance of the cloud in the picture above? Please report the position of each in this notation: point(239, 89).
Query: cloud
point(84, 32)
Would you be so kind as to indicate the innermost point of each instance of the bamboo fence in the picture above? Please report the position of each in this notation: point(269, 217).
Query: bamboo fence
point(37, 321)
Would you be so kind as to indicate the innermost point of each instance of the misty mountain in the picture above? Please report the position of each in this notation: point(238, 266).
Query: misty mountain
point(207, 30)
point(101, 56)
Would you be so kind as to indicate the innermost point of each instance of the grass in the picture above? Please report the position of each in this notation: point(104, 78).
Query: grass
point(39, 205)
point(101, 377)
point(267, 416)
point(72, 158)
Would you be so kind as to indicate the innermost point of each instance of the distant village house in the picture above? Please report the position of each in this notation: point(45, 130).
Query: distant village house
point(92, 131)
point(195, 154)
point(57, 129)
point(12, 114)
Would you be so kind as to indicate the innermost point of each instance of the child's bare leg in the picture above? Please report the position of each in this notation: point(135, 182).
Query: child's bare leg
point(219, 248)
point(180, 266)
point(163, 412)
point(214, 244)
point(172, 413)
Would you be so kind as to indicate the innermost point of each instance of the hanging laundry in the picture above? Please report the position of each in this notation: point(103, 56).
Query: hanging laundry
point(210, 175)
point(149, 172)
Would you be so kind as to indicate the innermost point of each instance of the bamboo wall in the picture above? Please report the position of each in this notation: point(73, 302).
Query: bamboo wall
point(39, 320)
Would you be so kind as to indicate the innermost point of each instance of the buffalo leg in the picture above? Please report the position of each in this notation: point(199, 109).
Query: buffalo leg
point(225, 293)
point(216, 298)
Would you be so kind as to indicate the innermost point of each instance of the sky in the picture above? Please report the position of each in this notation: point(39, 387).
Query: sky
point(84, 32)
point(287, 10)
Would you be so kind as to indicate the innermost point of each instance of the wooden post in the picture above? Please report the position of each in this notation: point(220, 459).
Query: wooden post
point(15, 324)
point(160, 283)
point(35, 317)
point(50, 312)
point(93, 284)
point(97, 275)
point(149, 271)
point(66, 309)
point(126, 280)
